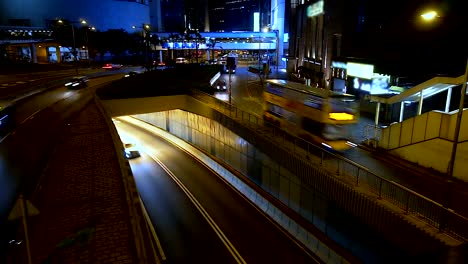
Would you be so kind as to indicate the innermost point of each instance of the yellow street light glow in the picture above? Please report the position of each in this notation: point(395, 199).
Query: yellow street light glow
point(83, 22)
point(147, 26)
point(341, 116)
point(60, 21)
point(429, 15)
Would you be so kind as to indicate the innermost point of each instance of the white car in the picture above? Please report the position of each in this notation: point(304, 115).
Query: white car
point(77, 82)
point(131, 151)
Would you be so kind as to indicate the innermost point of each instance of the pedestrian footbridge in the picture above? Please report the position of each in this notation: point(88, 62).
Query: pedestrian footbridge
point(425, 138)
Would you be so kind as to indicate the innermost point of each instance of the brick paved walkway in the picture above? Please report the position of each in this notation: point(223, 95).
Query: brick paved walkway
point(84, 216)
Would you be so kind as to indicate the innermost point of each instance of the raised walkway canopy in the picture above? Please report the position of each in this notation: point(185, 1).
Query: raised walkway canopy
point(418, 93)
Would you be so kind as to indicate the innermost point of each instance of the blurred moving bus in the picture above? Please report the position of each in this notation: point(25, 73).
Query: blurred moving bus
point(314, 114)
point(7, 118)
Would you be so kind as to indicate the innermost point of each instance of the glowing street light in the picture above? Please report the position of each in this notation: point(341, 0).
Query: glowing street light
point(145, 35)
point(430, 15)
point(83, 22)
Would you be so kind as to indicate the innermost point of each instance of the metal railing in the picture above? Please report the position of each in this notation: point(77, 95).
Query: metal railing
point(407, 201)
point(372, 135)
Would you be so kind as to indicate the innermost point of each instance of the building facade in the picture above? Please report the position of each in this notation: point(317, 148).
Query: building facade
point(391, 38)
point(103, 15)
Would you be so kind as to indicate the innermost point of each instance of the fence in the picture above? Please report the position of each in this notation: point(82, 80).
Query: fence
point(408, 201)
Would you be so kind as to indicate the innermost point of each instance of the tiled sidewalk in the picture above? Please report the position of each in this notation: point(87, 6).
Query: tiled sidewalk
point(84, 215)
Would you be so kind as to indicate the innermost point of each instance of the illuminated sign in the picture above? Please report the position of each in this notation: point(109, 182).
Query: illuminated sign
point(365, 71)
point(338, 64)
point(256, 20)
point(315, 9)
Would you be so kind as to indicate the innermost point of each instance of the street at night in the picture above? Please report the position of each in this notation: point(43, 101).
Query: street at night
point(248, 131)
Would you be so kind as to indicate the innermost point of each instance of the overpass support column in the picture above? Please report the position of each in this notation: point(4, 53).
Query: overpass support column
point(402, 109)
point(447, 101)
point(377, 113)
point(33, 49)
point(420, 102)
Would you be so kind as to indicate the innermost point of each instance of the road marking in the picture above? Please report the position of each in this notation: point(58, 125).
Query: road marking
point(164, 134)
point(202, 210)
point(153, 232)
point(31, 116)
point(2, 139)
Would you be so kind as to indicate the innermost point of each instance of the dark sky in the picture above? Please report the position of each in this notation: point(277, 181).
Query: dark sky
point(438, 46)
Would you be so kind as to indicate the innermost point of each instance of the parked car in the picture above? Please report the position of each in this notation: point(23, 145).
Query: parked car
point(77, 82)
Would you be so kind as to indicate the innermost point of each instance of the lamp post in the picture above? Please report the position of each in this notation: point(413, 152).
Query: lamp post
point(145, 28)
point(430, 16)
point(83, 22)
point(87, 41)
point(457, 124)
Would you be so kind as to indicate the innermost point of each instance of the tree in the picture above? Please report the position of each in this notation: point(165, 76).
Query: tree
point(116, 41)
point(190, 35)
point(211, 45)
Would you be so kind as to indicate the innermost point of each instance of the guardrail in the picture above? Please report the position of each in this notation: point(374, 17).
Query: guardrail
point(139, 223)
point(408, 201)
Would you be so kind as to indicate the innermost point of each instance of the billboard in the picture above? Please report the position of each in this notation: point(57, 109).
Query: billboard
point(365, 71)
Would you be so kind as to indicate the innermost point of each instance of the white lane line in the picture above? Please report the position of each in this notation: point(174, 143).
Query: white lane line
point(3, 138)
point(204, 213)
point(176, 142)
point(31, 116)
point(153, 232)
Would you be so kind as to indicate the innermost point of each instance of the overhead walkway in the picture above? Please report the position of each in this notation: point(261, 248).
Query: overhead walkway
point(427, 138)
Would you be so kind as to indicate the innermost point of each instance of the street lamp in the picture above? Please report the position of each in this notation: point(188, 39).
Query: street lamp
point(146, 28)
point(83, 22)
point(430, 15)
point(87, 42)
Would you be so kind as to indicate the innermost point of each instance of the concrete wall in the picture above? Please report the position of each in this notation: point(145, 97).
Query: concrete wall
point(427, 140)
point(290, 179)
point(121, 107)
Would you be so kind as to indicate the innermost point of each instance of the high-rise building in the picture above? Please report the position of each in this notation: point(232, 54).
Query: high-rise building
point(104, 14)
point(392, 36)
point(217, 17)
point(213, 15)
point(173, 15)
point(239, 15)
